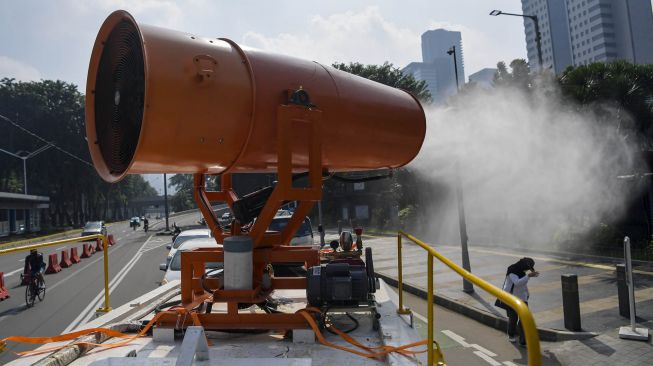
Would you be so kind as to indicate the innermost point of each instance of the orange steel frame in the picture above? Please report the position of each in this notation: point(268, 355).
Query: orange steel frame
point(269, 248)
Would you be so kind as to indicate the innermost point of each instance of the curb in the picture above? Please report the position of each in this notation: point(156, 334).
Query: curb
point(484, 317)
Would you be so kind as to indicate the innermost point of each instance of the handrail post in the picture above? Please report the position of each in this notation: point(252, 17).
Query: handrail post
point(429, 301)
point(107, 307)
point(400, 284)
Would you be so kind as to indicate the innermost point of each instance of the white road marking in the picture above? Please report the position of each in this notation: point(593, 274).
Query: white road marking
point(89, 311)
point(508, 363)
point(12, 272)
point(456, 338)
point(484, 350)
point(487, 358)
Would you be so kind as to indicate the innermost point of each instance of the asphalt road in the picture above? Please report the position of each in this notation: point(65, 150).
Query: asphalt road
point(75, 293)
point(467, 342)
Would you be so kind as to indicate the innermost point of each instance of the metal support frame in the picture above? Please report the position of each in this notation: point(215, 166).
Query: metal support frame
point(269, 248)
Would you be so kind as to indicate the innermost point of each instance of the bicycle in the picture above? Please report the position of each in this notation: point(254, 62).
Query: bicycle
point(34, 289)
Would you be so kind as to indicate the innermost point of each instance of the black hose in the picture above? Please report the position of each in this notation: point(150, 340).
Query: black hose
point(340, 178)
point(351, 317)
point(209, 274)
point(168, 304)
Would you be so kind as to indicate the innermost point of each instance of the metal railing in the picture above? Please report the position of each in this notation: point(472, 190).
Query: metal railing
point(105, 245)
point(525, 316)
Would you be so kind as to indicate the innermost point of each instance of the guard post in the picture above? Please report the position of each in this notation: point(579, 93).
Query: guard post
point(570, 301)
point(622, 291)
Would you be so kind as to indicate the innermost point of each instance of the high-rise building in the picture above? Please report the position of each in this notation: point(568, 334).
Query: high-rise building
point(437, 66)
point(483, 77)
point(576, 32)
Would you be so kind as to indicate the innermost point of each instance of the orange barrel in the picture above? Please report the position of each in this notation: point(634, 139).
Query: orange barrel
point(159, 100)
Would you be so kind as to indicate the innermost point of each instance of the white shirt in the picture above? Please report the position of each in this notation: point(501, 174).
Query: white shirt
point(521, 286)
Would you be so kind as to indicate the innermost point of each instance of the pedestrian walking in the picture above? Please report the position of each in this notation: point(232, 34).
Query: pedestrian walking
point(516, 283)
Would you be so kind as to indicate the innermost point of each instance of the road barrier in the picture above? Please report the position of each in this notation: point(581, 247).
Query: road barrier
point(4, 293)
point(74, 257)
point(87, 250)
point(525, 315)
point(98, 245)
point(53, 264)
point(65, 260)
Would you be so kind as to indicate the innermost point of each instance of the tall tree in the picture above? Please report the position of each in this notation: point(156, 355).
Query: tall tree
point(518, 76)
point(620, 85)
point(54, 110)
point(389, 75)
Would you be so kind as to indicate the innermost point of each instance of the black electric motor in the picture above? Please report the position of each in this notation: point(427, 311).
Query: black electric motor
point(341, 283)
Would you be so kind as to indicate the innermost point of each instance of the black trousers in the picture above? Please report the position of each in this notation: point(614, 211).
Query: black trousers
point(513, 322)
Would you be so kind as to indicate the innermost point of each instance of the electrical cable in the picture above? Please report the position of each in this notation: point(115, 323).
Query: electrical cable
point(44, 140)
point(210, 274)
point(328, 320)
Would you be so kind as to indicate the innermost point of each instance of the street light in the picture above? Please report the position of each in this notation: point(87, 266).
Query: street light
point(538, 36)
point(452, 52)
point(24, 155)
point(462, 224)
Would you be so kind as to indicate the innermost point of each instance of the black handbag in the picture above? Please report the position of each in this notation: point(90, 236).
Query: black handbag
point(501, 304)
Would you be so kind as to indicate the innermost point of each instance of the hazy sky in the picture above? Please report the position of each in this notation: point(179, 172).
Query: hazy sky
point(53, 39)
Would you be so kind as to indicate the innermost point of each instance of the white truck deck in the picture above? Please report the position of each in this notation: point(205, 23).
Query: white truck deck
point(264, 349)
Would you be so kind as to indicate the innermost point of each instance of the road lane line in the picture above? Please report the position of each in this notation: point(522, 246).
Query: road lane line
point(456, 338)
point(86, 313)
point(487, 358)
point(508, 363)
point(112, 286)
point(12, 272)
point(93, 303)
point(484, 350)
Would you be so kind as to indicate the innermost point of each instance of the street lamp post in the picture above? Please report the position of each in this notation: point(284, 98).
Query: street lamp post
point(468, 287)
point(24, 158)
point(165, 195)
point(452, 52)
point(538, 35)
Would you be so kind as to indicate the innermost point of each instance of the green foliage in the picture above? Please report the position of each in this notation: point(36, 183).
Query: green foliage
point(519, 75)
point(183, 197)
point(389, 75)
point(54, 110)
point(619, 84)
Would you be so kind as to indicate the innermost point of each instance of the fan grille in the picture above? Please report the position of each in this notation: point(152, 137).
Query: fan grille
point(119, 96)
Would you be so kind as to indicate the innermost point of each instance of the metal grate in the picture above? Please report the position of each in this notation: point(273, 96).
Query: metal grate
point(119, 96)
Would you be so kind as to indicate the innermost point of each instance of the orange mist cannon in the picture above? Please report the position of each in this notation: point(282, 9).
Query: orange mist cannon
point(164, 101)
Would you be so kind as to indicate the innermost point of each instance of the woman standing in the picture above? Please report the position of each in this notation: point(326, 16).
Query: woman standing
point(516, 283)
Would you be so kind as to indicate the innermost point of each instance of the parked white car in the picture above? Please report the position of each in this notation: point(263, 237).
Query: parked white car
point(185, 236)
point(173, 268)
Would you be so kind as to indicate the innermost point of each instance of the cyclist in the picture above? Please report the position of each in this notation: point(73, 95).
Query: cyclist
point(146, 223)
point(36, 265)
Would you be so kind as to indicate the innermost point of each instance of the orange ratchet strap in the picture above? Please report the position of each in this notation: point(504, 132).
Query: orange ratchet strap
point(370, 352)
point(70, 336)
